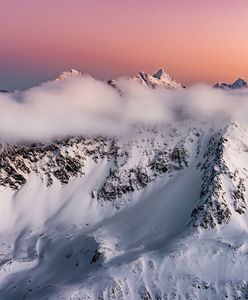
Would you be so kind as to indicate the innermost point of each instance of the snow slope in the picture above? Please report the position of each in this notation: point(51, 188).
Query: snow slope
point(158, 214)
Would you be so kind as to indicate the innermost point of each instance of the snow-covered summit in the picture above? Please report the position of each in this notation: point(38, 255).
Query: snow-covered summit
point(160, 78)
point(238, 84)
point(69, 74)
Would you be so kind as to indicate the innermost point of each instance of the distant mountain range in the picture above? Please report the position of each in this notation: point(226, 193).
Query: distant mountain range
point(159, 79)
point(238, 84)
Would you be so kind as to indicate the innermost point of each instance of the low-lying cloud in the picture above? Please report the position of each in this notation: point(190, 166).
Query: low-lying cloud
point(85, 106)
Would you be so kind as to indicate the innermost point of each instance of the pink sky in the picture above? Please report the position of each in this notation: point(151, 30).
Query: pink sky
point(194, 40)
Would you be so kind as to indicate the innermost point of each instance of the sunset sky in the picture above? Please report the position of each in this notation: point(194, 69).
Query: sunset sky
point(193, 40)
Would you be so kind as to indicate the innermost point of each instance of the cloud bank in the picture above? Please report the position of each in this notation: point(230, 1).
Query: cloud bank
point(85, 106)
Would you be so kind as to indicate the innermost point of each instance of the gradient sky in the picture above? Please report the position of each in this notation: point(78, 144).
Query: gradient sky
point(194, 40)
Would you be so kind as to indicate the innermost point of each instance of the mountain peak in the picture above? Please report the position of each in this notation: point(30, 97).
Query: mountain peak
point(239, 83)
point(160, 74)
point(160, 78)
point(72, 73)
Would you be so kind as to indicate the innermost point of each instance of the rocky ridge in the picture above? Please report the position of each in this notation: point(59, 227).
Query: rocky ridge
point(240, 83)
point(159, 156)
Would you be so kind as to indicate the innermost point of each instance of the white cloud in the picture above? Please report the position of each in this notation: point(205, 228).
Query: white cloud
point(84, 105)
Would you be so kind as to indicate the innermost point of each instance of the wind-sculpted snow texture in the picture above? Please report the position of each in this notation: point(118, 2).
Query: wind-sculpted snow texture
point(160, 213)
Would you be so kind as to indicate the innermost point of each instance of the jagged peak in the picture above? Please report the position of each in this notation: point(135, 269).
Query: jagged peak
point(237, 84)
point(160, 78)
point(160, 74)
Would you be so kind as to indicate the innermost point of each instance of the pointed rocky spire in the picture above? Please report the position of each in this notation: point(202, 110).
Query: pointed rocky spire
point(239, 83)
point(160, 74)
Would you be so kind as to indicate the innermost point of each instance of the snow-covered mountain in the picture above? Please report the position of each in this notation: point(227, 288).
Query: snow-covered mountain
point(160, 78)
point(158, 214)
point(238, 84)
point(151, 212)
point(72, 73)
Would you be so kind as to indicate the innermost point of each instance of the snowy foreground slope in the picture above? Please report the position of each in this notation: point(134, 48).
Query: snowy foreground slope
point(158, 214)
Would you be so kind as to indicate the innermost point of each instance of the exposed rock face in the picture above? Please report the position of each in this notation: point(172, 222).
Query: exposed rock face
point(239, 84)
point(160, 156)
point(65, 159)
point(223, 188)
point(214, 209)
point(124, 181)
point(60, 160)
